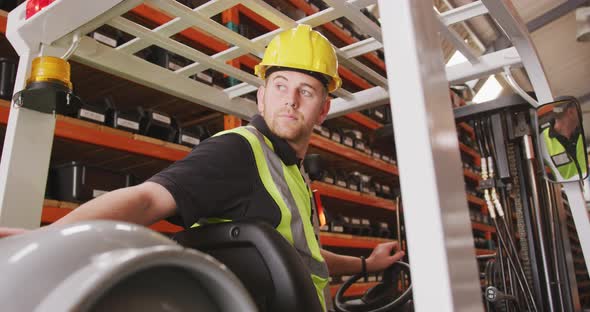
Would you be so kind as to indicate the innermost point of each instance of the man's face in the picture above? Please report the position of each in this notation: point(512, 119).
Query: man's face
point(291, 104)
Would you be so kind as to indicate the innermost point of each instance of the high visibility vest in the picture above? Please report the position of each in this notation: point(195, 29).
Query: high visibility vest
point(560, 158)
point(286, 186)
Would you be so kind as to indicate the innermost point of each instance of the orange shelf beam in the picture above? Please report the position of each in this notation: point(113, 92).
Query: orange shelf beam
point(467, 128)
point(333, 191)
point(193, 34)
point(51, 214)
point(471, 175)
point(481, 252)
point(79, 132)
point(364, 120)
point(483, 227)
point(263, 22)
point(355, 290)
point(4, 111)
point(347, 74)
point(350, 241)
point(476, 200)
point(352, 154)
point(88, 132)
point(3, 21)
point(471, 152)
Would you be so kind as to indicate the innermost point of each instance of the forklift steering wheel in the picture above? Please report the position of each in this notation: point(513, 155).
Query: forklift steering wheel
point(384, 296)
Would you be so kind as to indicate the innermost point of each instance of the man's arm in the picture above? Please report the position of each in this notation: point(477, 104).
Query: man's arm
point(142, 204)
point(379, 260)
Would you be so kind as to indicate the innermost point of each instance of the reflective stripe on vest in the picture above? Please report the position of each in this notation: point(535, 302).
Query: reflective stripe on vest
point(288, 189)
point(560, 158)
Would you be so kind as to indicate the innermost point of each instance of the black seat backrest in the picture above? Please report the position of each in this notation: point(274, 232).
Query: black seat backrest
point(265, 262)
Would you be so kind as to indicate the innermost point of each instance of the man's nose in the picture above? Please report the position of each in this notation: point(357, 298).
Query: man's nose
point(291, 99)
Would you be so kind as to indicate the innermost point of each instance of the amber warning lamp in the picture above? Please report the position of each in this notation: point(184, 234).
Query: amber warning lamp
point(48, 89)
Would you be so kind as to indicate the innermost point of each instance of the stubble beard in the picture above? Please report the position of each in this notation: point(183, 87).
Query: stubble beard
point(293, 132)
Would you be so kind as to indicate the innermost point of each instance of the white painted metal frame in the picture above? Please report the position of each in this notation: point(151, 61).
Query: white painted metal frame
point(441, 246)
point(440, 240)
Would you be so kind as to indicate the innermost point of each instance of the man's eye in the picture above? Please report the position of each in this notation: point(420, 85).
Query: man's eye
point(281, 87)
point(306, 93)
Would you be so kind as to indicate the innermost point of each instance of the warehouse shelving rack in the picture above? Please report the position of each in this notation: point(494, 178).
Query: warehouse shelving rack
point(442, 252)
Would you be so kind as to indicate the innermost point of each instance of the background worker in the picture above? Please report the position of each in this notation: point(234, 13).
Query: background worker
point(564, 141)
point(254, 171)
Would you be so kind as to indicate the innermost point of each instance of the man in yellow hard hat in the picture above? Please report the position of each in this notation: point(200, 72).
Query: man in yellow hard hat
point(254, 171)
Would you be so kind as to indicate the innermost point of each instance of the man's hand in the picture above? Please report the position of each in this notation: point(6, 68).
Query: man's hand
point(4, 231)
point(381, 257)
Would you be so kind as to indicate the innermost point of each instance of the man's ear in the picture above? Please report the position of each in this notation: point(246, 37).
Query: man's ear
point(260, 99)
point(324, 110)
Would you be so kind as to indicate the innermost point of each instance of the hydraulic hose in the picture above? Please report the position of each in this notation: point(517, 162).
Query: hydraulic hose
point(487, 149)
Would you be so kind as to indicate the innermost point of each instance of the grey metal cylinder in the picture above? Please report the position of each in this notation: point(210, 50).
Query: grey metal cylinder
point(114, 266)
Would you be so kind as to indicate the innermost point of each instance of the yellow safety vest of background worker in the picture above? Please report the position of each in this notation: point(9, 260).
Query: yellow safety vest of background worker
point(570, 160)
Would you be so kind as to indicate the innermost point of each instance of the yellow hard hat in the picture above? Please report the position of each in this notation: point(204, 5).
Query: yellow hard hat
point(305, 49)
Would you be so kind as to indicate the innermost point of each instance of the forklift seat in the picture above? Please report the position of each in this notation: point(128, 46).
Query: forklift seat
point(265, 262)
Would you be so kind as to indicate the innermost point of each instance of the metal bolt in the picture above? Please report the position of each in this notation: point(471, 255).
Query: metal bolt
point(18, 101)
point(235, 232)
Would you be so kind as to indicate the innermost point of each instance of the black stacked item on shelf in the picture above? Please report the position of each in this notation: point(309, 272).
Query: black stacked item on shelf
point(385, 191)
point(192, 3)
point(381, 229)
point(347, 138)
point(314, 166)
point(107, 35)
point(380, 114)
point(365, 227)
point(205, 77)
point(354, 181)
point(156, 55)
point(339, 224)
point(340, 179)
point(355, 226)
point(336, 136)
point(383, 143)
point(164, 58)
point(349, 227)
point(8, 68)
point(358, 141)
point(376, 154)
point(79, 182)
point(365, 185)
point(360, 145)
point(157, 125)
point(329, 177)
point(192, 136)
point(321, 130)
point(9, 5)
point(99, 112)
point(479, 240)
point(128, 120)
point(377, 187)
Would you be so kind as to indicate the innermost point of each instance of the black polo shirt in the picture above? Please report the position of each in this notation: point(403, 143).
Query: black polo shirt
point(219, 179)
